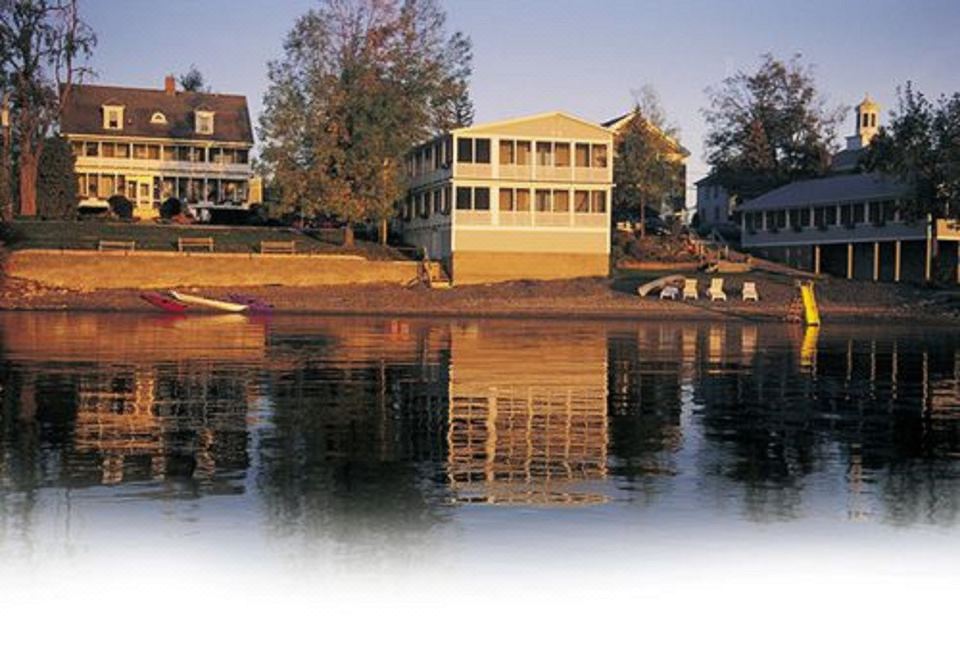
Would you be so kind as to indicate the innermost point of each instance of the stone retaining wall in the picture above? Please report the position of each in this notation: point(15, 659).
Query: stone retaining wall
point(87, 270)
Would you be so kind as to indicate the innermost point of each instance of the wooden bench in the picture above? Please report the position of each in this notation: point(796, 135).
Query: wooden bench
point(278, 247)
point(205, 243)
point(110, 246)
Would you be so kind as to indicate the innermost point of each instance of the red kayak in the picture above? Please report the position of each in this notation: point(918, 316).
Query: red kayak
point(166, 303)
point(254, 305)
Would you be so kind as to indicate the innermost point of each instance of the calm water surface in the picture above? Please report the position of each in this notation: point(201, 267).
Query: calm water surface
point(291, 439)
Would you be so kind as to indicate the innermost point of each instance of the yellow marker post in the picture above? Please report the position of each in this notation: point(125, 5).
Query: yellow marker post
point(808, 347)
point(811, 312)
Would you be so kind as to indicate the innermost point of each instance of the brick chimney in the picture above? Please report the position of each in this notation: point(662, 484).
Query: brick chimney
point(170, 85)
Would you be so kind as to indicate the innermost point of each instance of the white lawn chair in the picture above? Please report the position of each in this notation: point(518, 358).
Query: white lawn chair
point(716, 290)
point(669, 293)
point(750, 292)
point(690, 289)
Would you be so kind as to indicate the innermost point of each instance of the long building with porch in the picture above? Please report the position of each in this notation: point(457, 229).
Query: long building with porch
point(152, 144)
point(525, 198)
point(852, 224)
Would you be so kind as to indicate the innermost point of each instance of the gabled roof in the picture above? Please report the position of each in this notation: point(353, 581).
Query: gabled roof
point(831, 190)
point(617, 123)
point(544, 117)
point(83, 113)
point(709, 180)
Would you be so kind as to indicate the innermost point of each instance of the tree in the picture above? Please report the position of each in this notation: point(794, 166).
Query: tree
point(769, 127)
point(56, 181)
point(646, 168)
point(360, 83)
point(171, 208)
point(193, 81)
point(121, 207)
point(43, 47)
point(921, 146)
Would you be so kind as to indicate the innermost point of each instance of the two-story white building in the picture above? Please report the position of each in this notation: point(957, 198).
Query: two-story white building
point(152, 144)
point(525, 198)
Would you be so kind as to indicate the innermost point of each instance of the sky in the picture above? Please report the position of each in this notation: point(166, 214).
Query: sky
point(582, 57)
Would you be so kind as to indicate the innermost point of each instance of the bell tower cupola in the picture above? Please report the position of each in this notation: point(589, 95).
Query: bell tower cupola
point(868, 121)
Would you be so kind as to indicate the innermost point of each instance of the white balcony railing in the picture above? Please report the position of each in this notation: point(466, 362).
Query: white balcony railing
point(592, 174)
point(473, 171)
point(164, 166)
point(542, 219)
point(475, 218)
point(591, 220)
point(516, 219)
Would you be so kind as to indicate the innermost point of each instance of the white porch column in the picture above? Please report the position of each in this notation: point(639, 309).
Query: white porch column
point(816, 259)
point(849, 261)
point(876, 261)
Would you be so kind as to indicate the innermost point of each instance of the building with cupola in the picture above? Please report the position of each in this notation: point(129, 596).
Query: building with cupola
point(149, 145)
point(852, 224)
point(866, 128)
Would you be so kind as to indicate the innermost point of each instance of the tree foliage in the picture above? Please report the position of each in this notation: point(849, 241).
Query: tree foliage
point(121, 207)
point(193, 80)
point(361, 81)
point(646, 169)
point(921, 145)
point(769, 127)
point(56, 181)
point(43, 47)
point(170, 208)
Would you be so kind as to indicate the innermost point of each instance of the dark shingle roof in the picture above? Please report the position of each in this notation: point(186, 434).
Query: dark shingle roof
point(831, 190)
point(708, 180)
point(83, 113)
point(847, 160)
point(616, 120)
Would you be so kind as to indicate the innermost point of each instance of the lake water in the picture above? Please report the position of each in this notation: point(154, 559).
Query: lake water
point(310, 442)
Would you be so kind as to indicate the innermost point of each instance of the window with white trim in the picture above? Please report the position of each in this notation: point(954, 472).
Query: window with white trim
point(113, 117)
point(204, 120)
point(158, 118)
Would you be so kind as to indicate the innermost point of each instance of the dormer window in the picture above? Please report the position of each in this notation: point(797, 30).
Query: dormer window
point(158, 118)
point(204, 122)
point(113, 117)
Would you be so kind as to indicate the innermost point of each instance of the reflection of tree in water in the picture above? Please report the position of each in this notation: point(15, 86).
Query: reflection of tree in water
point(868, 407)
point(644, 408)
point(36, 422)
point(356, 449)
point(757, 434)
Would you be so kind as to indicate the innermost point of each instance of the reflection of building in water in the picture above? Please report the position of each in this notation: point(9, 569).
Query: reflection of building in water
point(142, 397)
point(361, 393)
point(883, 408)
point(646, 367)
point(139, 419)
point(528, 416)
point(116, 418)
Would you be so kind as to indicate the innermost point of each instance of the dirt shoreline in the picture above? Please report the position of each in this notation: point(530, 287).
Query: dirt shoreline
point(583, 299)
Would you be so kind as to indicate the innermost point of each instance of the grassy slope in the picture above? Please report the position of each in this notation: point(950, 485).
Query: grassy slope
point(29, 234)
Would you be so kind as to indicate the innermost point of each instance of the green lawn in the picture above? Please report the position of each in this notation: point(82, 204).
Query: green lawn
point(33, 234)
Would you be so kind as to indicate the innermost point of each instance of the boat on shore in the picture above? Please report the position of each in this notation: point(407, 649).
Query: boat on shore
point(166, 303)
point(254, 305)
point(211, 303)
point(659, 284)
